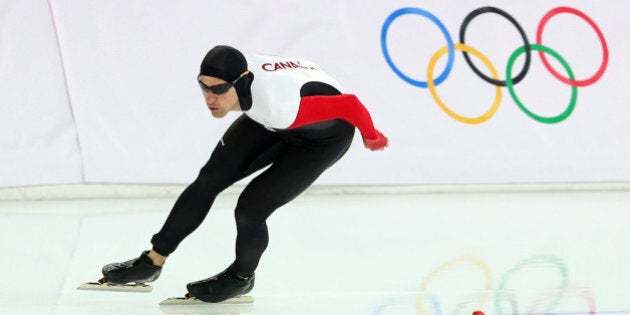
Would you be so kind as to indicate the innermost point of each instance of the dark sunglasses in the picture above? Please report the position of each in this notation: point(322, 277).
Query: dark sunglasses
point(219, 89)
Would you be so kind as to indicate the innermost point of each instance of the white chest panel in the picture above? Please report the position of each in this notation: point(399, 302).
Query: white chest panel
point(276, 87)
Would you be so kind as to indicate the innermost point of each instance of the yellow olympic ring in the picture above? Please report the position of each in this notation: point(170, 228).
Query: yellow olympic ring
point(482, 265)
point(431, 85)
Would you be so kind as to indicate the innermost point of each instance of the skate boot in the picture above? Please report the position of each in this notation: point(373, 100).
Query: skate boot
point(138, 270)
point(220, 287)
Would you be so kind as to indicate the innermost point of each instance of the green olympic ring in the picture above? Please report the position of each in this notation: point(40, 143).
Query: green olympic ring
point(534, 261)
point(509, 83)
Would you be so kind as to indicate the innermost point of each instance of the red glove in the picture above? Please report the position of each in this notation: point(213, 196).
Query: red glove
point(376, 144)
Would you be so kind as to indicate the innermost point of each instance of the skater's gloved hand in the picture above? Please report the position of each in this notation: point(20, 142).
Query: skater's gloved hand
point(379, 143)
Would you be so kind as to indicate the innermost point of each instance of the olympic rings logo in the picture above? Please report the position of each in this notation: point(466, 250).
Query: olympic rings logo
point(504, 294)
point(509, 81)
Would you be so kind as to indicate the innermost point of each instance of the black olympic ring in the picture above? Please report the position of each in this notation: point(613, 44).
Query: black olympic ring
point(462, 35)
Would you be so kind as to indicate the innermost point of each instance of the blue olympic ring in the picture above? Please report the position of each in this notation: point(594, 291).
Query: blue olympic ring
point(434, 19)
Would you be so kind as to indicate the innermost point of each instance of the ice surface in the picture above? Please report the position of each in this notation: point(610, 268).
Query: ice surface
point(376, 254)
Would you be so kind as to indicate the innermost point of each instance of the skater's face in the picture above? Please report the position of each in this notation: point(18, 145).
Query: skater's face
point(219, 104)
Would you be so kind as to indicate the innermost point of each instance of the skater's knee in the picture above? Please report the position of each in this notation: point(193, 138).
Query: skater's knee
point(259, 201)
point(212, 182)
point(253, 213)
point(247, 218)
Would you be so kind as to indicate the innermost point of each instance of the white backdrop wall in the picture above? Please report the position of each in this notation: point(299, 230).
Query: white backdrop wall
point(105, 91)
point(38, 138)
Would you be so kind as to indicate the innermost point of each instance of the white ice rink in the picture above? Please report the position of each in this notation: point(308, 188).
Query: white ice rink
point(369, 254)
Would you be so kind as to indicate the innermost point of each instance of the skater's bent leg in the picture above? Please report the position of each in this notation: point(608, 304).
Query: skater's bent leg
point(235, 156)
point(292, 173)
point(267, 192)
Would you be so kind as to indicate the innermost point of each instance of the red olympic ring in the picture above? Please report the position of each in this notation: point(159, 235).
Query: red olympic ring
point(579, 292)
point(600, 35)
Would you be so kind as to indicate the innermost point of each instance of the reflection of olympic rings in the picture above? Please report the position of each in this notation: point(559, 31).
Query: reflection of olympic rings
point(534, 261)
point(509, 81)
point(584, 293)
point(501, 293)
point(464, 260)
point(503, 296)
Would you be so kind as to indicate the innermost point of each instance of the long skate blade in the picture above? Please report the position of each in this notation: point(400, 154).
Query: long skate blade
point(96, 286)
point(238, 305)
point(243, 299)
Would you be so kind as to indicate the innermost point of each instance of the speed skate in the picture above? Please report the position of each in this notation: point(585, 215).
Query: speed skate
point(104, 285)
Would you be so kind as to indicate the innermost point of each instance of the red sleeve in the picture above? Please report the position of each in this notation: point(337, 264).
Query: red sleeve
point(328, 107)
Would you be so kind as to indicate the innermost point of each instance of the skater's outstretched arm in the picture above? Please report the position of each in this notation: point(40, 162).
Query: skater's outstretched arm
point(345, 106)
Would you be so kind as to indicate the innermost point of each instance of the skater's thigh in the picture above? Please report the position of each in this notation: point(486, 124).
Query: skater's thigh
point(295, 169)
point(244, 148)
